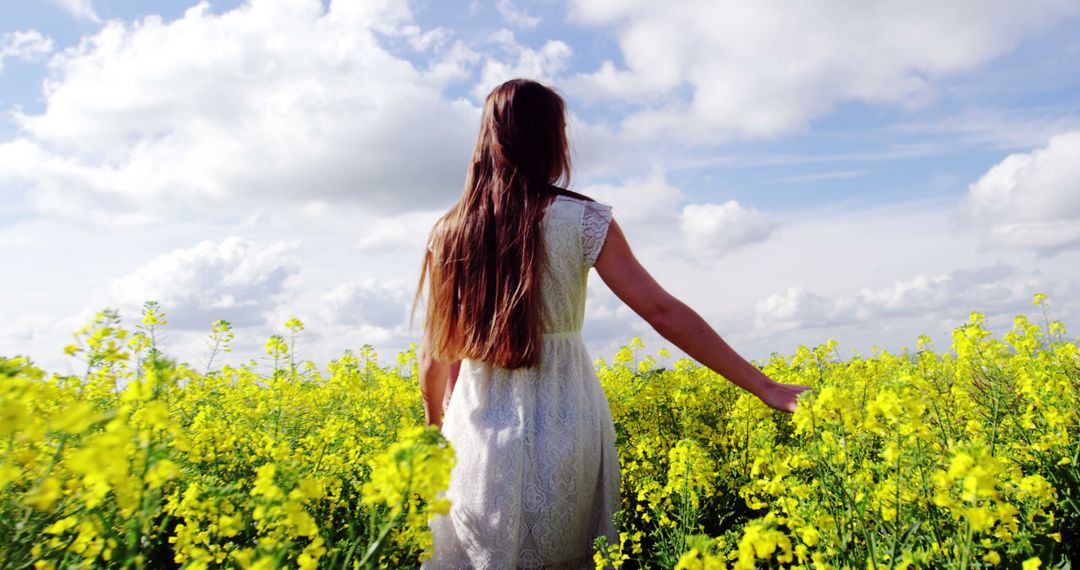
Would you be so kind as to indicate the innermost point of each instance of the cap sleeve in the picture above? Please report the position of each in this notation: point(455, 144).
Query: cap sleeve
point(595, 220)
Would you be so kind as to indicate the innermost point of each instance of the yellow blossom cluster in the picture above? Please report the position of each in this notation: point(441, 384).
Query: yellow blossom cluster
point(964, 458)
point(143, 462)
point(958, 459)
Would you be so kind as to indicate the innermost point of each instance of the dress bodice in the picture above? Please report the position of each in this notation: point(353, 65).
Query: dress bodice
point(573, 231)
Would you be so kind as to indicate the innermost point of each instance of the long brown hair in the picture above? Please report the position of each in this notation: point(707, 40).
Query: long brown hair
point(483, 265)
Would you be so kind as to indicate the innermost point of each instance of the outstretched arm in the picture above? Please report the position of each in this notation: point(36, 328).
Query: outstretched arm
point(435, 375)
point(681, 325)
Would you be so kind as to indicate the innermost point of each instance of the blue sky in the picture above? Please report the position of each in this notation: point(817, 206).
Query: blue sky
point(863, 172)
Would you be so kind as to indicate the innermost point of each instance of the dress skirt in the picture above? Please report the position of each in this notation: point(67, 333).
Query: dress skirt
point(537, 474)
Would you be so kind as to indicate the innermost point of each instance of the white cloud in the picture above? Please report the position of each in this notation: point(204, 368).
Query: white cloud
point(358, 303)
point(401, 232)
point(235, 280)
point(542, 64)
point(454, 64)
point(515, 16)
point(707, 70)
point(228, 113)
point(20, 332)
point(42, 337)
point(609, 323)
point(23, 45)
point(991, 289)
point(81, 9)
point(638, 199)
point(793, 308)
point(722, 227)
point(1031, 200)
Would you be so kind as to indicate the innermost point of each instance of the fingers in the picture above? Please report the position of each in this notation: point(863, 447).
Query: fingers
point(788, 397)
point(797, 389)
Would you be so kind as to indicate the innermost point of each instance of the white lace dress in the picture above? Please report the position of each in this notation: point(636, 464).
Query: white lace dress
point(537, 475)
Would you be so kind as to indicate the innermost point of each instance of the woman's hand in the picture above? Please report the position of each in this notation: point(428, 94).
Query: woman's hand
point(437, 380)
point(779, 396)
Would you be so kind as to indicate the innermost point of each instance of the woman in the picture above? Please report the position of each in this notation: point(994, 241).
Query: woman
point(537, 475)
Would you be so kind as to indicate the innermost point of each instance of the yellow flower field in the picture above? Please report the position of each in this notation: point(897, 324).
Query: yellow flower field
point(958, 458)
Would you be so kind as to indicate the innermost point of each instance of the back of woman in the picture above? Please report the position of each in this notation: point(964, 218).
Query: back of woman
point(537, 475)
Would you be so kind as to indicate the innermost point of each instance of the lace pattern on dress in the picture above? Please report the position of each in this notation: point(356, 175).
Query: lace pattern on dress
point(537, 473)
point(595, 220)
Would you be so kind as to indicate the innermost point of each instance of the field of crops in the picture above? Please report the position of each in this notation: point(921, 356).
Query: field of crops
point(933, 458)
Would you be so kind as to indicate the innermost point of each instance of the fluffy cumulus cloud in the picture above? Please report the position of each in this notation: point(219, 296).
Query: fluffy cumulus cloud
point(987, 289)
point(649, 198)
point(368, 302)
point(704, 69)
point(236, 280)
point(609, 322)
point(720, 227)
point(23, 45)
point(513, 59)
point(794, 308)
point(647, 208)
point(1031, 200)
point(269, 104)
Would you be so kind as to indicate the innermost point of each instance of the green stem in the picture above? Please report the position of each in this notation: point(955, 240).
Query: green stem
point(896, 529)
